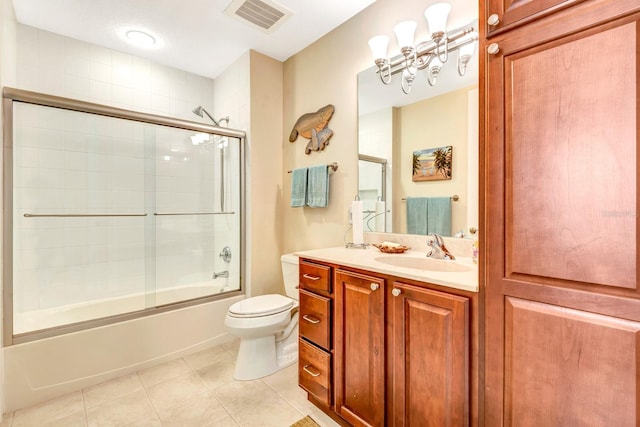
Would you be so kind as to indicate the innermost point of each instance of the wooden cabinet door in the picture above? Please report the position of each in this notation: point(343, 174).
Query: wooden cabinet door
point(562, 316)
point(359, 348)
point(511, 13)
point(430, 351)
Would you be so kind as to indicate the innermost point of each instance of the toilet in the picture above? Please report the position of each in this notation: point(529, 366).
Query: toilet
point(267, 326)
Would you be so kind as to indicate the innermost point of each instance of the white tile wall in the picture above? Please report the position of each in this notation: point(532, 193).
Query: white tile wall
point(67, 162)
point(58, 65)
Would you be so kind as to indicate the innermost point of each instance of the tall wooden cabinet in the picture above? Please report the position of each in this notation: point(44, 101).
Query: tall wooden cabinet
point(560, 180)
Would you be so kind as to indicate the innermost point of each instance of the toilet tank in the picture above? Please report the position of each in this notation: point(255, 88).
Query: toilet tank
point(290, 274)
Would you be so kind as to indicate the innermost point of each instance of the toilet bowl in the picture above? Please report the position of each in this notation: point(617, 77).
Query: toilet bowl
point(267, 326)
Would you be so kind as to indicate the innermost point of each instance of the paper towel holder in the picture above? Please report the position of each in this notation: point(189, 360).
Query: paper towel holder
point(357, 245)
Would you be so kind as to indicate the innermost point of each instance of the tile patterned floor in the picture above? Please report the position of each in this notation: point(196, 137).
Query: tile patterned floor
point(197, 390)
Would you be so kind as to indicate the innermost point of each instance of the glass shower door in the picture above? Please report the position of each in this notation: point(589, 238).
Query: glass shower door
point(112, 216)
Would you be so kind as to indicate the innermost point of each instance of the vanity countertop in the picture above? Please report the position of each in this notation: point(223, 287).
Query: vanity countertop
point(369, 259)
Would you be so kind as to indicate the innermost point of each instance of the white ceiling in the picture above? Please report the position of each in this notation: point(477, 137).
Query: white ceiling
point(192, 35)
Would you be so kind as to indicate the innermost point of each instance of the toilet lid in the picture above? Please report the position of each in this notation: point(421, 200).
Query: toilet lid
point(262, 305)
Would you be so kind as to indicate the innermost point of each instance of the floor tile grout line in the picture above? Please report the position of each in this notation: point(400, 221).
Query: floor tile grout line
point(153, 407)
point(84, 407)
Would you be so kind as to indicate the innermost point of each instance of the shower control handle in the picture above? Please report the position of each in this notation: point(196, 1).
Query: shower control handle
point(225, 254)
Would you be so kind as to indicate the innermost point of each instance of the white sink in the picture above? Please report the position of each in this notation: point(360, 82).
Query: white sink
point(424, 263)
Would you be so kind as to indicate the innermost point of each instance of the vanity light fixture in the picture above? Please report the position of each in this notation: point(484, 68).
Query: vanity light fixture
point(140, 38)
point(429, 54)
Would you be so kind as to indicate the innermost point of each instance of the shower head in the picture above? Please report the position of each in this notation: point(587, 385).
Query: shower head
point(199, 112)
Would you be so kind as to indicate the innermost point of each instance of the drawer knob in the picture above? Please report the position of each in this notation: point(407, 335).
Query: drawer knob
point(374, 286)
point(311, 319)
point(493, 19)
point(493, 48)
point(307, 276)
point(309, 371)
point(396, 292)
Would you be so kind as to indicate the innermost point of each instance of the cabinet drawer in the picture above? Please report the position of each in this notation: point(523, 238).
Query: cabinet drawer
point(315, 318)
point(314, 371)
point(315, 277)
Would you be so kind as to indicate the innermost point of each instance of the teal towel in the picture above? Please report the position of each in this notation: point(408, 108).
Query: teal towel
point(417, 208)
point(439, 215)
point(299, 187)
point(318, 187)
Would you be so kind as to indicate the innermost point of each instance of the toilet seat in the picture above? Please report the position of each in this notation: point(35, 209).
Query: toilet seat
point(262, 305)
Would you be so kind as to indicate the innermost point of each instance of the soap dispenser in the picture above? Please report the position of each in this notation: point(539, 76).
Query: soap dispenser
point(476, 245)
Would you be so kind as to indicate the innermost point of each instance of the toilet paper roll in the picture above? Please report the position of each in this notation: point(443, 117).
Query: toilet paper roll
point(380, 216)
point(356, 222)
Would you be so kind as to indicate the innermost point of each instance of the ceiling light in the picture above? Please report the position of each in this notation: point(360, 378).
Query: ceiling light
point(140, 38)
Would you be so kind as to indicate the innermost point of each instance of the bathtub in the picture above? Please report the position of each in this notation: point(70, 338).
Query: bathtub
point(52, 317)
point(40, 370)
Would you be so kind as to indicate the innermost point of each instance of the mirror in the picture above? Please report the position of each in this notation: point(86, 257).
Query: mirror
point(394, 128)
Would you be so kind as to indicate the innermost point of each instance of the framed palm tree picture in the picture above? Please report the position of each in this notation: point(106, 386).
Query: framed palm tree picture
point(432, 164)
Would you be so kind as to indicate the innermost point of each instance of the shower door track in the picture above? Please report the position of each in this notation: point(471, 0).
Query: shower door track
point(28, 215)
point(11, 95)
point(193, 213)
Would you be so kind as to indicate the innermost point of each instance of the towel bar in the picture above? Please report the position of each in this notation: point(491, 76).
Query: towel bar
point(455, 198)
point(333, 166)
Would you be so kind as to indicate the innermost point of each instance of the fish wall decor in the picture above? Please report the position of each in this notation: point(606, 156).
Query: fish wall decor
point(314, 126)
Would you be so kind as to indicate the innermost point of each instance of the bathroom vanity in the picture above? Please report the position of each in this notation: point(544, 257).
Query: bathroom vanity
point(389, 339)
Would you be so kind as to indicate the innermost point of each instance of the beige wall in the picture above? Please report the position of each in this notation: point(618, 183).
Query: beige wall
point(326, 73)
point(264, 219)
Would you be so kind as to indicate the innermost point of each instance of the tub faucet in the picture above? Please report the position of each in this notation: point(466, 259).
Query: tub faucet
point(438, 249)
point(221, 274)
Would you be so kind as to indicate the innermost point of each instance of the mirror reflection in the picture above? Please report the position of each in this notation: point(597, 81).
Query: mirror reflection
point(419, 151)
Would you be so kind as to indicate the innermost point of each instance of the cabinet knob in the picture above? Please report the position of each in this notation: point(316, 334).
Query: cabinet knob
point(374, 286)
point(493, 19)
point(493, 48)
point(396, 292)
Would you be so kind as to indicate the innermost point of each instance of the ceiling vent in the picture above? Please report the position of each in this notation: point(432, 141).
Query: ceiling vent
point(262, 14)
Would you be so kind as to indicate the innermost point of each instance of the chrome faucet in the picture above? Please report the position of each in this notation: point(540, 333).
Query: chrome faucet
point(438, 249)
point(221, 274)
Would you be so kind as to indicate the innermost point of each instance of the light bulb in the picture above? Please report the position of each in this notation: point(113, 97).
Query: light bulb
point(436, 16)
point(405, 31)
point(378, 45)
